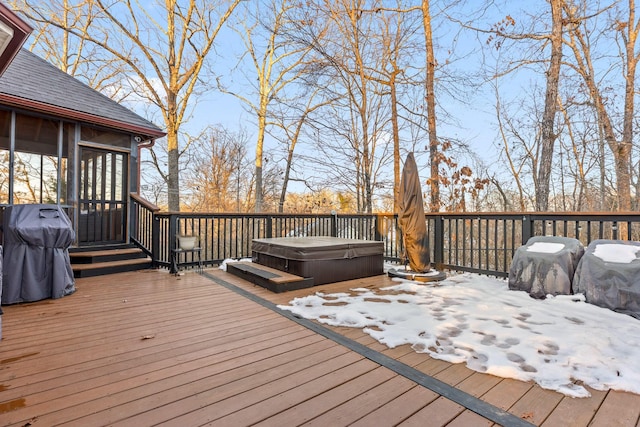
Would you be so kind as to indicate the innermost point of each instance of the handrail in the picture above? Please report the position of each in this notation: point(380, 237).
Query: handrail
point(465, 241)
point(144, 202)
point(144, 229)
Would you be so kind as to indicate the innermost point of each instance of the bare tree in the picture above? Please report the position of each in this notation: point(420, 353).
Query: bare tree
point(219, 172)
point(520, 142)
point(434, 158)
point(548, 134)
point(505, 30)
point(394, 52)
point(626, 27)
point(397, 39)
point(290, 121)
point(75, 55)
point(354, 128)
point(275, 64)
point(162, 49)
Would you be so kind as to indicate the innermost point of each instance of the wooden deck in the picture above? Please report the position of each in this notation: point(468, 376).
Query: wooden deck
point(149, 348)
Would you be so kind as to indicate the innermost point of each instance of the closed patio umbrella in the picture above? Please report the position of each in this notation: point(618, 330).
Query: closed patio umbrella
point(412, 223)
point(411, 218)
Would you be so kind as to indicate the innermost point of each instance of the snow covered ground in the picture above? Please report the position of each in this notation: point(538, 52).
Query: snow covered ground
point(561, 343)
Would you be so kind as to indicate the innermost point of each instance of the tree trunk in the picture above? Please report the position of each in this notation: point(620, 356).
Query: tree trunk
point(550, 108)
point(285, 181)
point(396, 143)
point(259, 153)
point(434, 158)
point(173, 176)
point(624, 166)
point(287, 170)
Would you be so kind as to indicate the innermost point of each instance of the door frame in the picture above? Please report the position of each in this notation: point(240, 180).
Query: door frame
point(103, 211)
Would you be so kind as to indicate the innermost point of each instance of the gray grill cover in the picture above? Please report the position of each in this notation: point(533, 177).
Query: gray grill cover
point(36, 256)
point(613, 285)
point(542, 273)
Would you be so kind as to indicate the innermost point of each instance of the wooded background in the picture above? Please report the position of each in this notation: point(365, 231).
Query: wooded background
point(508, 106)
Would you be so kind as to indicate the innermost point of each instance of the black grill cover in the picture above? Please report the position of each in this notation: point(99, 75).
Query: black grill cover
point(36, 257)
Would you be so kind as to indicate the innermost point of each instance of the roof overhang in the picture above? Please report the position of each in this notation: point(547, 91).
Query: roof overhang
point(64, 113)
point(13, 33)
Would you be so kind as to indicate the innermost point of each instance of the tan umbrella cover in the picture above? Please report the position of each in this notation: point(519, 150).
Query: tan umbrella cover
point(411, 218)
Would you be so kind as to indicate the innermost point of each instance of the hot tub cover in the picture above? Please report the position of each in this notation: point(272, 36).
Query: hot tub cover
point(36, 256)
point(316, 248)
point(545, 265)
point(611, 281)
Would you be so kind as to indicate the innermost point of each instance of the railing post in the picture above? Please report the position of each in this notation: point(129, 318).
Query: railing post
point(155, 239)
point(377, 236)
point(269, 227)
point(438, 244)
point(334, 224)
point(527, 228)
point(397, 238)
point(171, 238)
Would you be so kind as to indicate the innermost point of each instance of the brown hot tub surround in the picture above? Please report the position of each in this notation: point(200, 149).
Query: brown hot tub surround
point(325, 259)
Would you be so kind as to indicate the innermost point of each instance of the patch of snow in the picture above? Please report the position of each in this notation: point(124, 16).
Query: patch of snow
point(545, 247)
point(616, 252)
point(223, 265)
point(561, 343)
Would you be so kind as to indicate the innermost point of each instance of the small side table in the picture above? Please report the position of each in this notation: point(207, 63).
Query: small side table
point(175, 255)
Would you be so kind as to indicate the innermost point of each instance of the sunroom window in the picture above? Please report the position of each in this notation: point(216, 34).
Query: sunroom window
point(39, 161)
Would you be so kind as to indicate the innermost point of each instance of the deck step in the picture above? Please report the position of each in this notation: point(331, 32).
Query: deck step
point(105, 255)
point(89, 262)
point(267, 277)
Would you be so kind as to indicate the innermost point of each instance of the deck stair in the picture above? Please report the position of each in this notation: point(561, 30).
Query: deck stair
point(98, 261)
point(267, 277)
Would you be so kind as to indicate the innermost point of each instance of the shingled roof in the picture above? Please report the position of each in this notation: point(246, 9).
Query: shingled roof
point(33, 84)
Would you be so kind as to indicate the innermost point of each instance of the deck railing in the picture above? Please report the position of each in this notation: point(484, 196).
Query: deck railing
point(474, 242)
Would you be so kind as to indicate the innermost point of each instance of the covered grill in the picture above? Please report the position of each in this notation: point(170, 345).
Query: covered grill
point(36, 257)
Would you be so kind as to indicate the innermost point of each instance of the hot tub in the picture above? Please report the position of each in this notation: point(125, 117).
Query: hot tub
point(325, 259)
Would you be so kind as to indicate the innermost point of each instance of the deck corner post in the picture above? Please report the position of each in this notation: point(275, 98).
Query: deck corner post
point(438, 243)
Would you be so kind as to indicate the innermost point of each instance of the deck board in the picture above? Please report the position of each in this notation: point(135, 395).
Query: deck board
point(143, 348)
point(438, 413)
point(618, 410)
point(576, 412)
point(520, 398)
point(328, 400)
point(396, 410)
point(349, 411)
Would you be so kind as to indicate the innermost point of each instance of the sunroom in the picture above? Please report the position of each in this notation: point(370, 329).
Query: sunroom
point(61, 142)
